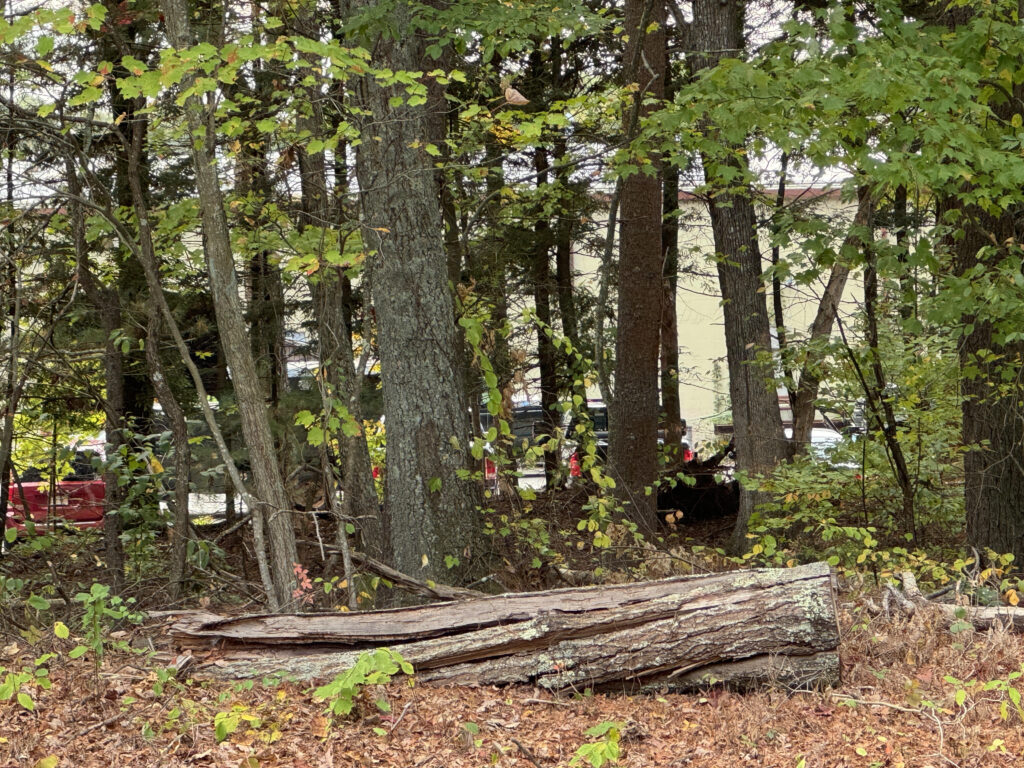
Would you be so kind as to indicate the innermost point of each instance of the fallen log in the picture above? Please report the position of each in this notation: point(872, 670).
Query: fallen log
point(743, 628)
point(912, 600)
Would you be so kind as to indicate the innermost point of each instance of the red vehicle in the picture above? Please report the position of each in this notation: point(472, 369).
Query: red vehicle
point(76, 499)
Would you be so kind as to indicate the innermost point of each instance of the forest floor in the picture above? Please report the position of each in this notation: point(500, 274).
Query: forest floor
point(914, 694)
point(895, 707)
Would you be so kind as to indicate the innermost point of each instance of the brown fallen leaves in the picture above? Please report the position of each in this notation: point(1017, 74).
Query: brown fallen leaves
point(895, 709)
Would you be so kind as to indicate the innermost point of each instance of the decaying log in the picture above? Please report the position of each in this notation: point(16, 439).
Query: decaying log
point(980, 617)
point(745, 628)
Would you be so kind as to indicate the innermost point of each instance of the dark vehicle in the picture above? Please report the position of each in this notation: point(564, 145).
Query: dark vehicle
point(75, 499)
point(526, 422)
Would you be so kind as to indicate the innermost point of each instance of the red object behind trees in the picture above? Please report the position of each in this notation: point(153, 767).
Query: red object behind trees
point(78, 503)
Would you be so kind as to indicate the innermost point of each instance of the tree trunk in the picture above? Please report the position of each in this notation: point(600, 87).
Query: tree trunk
point(179, 533)
point(106, 302)
point(804, 402)
point(991, 388)
point(432, 510)
point(675, 429)
point(563, 249)
point(743, 628)
point(541, 279)
point(717, 33)
point(272, 506)
point(880, 403)
point(633, 413)
point(341, 383)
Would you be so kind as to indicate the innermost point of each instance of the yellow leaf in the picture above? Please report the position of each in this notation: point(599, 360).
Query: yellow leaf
point(425, 561)
point(47, 762)
point(1012, 597)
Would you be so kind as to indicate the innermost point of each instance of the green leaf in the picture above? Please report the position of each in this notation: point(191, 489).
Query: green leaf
point(77, 651)
point(315, 436)
point(60, 629)
point(11, 534)
point(39, 603)
point(26, 701)
point(434, 485)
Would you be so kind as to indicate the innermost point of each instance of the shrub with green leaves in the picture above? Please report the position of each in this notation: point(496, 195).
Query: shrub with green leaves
point(21, 685)
point(371, 668)
point(604, 751)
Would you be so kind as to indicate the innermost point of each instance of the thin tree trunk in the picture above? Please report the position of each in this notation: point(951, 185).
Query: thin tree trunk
point(341, 382)
point(675, 429)
point(563, 249)
point(541, 279)
point(717, 33)
point(803, 404)
point(272, 508)
point(885, 416)
point(107, 305)
point(179, 533)
point(779, 312)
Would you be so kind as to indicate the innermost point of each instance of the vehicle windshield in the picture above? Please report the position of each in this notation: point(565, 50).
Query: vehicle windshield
point(598, 415)
point(80, 468)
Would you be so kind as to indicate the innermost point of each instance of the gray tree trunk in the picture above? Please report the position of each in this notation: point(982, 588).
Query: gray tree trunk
point(272, 508)
point(335, 337)
point(717, 33)
point(806, 392)
point(993, 419)
point(432, 511)
point(633, 413)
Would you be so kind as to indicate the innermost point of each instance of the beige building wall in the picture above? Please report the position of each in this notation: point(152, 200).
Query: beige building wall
point(704, 383)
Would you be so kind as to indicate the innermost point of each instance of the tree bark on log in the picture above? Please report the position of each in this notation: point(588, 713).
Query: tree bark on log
point(742, 628)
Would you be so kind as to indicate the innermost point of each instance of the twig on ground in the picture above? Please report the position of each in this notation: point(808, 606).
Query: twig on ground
point(909, 710)
point(555, 702)
point(404, 710)
point(526, 753)
point(104, 723)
